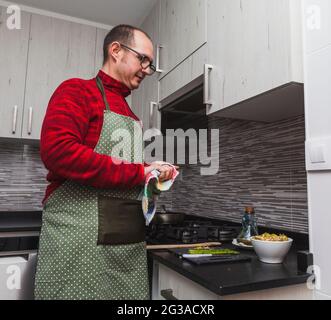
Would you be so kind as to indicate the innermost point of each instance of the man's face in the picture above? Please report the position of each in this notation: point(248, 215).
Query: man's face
point(129, 67)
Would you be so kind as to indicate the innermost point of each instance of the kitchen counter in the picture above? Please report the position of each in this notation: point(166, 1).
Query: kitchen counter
point(233, 278)
point(20, 221)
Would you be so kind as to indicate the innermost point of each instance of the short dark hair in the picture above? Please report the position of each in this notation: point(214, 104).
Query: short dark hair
point(122, 33)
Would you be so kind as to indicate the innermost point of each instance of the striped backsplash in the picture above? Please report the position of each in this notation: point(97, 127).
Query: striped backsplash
point(260, 164)
point(22, 178)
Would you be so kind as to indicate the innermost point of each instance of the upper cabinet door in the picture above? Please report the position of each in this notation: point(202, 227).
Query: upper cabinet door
point(183, 30)
point(254, 47)
point(13, 58)
point(58, 50)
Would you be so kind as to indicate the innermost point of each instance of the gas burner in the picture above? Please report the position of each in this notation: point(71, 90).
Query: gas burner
point(183, 234)
point(196, 224)
point(191, 231)
point(227, 234)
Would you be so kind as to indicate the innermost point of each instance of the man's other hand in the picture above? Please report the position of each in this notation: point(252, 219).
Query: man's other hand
point(166, 171)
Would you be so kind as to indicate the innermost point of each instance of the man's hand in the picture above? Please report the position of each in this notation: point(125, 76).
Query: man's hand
point(166, 171)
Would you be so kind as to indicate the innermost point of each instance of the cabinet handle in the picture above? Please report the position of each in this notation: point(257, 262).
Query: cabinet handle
point(168, 294)
point(158, 59)
point(206, 84)
point(30, 121)
point(14, 119)
point(152, 108)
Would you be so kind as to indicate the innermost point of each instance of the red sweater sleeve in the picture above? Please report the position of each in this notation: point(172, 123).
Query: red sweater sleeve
point(62, 150)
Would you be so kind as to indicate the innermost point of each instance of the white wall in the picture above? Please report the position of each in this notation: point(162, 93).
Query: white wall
point(317, 60)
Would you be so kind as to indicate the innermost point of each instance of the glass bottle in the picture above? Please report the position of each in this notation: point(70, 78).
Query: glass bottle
point(249, 226)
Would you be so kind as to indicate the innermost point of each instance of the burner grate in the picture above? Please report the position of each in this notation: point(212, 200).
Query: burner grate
point(190, 231)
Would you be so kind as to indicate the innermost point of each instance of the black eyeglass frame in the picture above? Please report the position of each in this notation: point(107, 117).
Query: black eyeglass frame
point(141, 58)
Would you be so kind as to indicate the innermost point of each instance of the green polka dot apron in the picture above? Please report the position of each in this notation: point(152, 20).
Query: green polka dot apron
point(92, 240)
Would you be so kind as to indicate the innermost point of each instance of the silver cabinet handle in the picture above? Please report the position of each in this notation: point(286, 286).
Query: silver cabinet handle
point(14, 119)
point(152, 108)
point(30, 121)
point(168, 294)
point(206, 84)
point(158, 69)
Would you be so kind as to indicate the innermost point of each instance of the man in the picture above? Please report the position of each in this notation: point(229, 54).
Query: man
point(92, 239)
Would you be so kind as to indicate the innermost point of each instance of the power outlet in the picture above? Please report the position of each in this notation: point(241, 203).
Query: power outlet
point(318, 154)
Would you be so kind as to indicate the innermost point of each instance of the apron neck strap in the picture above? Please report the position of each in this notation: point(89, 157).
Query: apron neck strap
point(102, 90)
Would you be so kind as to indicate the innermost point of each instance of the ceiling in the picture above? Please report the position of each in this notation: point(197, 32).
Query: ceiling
point(108, 12)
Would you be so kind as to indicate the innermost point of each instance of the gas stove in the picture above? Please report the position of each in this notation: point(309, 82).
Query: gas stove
point(190, 231)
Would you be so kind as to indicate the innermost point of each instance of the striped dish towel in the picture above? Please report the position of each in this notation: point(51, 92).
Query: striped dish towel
point(153, 188)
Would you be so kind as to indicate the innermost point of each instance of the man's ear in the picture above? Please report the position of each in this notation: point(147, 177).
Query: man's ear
point(114, 51)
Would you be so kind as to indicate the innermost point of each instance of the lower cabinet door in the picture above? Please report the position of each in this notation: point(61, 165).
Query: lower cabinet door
point(173, 286)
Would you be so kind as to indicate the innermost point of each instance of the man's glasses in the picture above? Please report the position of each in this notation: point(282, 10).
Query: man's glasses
point(145, 62)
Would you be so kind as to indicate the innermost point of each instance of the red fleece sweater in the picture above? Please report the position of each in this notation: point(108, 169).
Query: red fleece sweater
point(71, 130)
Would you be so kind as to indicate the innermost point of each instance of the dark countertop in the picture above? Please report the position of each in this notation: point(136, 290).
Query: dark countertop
point(239, 277)
point(20, 221)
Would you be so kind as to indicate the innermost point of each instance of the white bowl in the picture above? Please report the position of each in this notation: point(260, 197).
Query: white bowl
point(271, 251)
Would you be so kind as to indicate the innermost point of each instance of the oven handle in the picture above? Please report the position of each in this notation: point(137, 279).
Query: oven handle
point(26, 254)
point(168, 294)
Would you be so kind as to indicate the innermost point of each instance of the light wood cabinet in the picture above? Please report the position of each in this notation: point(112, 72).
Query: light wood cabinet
point(255, 49)
point(250, 65)
point(182, 30)
point(187, 76)
point(34, 61)
point(58, 50)
point(13, 60)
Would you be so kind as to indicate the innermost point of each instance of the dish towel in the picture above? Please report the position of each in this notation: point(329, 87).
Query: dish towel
point(153, 188)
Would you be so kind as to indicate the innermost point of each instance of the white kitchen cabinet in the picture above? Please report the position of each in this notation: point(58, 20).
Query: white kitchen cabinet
point(13, 59)
point(167, 283)
point(251, 64)
point(182, 30)
point(184, 78)
point(180, 287)
point(58, 50)
point(255, 48)
point(145, 99)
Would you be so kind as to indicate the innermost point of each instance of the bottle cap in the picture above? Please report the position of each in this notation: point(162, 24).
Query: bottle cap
point(249, 210)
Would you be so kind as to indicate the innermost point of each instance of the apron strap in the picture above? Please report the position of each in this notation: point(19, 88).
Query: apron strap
point(102, 90)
